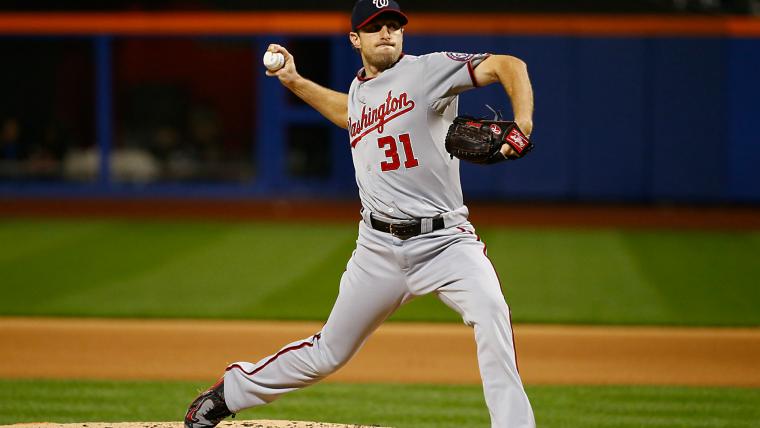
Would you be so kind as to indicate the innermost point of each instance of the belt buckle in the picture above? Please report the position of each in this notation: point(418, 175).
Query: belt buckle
point(402, 231)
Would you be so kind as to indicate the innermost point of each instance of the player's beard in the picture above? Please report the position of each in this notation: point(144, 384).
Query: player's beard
point(383, 60)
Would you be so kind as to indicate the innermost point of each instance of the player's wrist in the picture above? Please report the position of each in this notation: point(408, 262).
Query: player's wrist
point(525, 125)
point(294, 81)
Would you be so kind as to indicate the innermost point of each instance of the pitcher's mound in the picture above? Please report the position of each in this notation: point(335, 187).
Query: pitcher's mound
point(226, 424)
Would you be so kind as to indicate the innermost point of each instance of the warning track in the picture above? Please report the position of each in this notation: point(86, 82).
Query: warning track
point(397, 353)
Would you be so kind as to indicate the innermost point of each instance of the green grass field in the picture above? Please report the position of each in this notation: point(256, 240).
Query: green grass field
point(279, 271)
point(155, 269)
point(401, 406)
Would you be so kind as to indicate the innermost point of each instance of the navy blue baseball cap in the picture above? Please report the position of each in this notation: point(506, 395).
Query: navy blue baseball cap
point(367, 10)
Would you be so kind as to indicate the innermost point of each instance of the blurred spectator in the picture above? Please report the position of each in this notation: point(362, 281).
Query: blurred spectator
point(180, 162)
point(10, 145)
point(128, 165)
point(11, 149)
point(182, 135)
point(164, 142)
point(697, 5)
point(46, 152)
point(205, 141)
point(36, 156)
point(716, 6)
point(205, 133)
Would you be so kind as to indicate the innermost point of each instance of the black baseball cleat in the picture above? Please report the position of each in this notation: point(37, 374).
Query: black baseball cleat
point(209, 408)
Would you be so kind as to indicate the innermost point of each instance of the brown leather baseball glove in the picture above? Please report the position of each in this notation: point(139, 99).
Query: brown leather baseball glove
point(480, 140)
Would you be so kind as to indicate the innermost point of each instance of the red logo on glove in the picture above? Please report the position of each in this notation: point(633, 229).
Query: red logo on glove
point(517, 139)
point(495, 129)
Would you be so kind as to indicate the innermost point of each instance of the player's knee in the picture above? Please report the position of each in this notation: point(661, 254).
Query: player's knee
point(326, 367)
point(490, 309)
point(331, 361)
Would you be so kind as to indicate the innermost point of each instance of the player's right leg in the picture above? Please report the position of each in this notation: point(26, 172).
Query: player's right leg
point(371, 289)
point(459, 272)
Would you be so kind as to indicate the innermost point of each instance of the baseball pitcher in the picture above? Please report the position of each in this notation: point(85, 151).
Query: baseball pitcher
point(414, 237)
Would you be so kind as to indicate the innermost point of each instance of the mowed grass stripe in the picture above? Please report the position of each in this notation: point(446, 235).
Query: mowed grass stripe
point(582, 275)
point(629, 277)
point(234, 274)
point(110, 251)
point(24, 239)
point(401, 406)
point(701, 276)
point(165, 269)
point(292, 271)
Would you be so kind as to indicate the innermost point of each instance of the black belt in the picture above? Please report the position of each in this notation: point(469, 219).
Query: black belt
point(405, 229)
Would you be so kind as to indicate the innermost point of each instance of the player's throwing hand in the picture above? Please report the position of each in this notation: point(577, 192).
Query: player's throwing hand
point(287, 74)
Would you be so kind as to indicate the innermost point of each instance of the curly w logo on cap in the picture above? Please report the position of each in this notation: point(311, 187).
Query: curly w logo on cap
point(365, 11)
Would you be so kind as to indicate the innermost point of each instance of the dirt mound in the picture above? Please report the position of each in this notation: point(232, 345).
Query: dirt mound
point(226, 424)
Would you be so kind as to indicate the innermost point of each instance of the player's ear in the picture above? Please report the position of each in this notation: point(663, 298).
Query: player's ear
point(354, 38)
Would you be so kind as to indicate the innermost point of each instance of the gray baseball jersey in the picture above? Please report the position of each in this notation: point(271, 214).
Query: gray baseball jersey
point(397, 125)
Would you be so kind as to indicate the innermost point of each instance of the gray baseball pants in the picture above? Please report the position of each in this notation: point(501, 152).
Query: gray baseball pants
point(383, 273)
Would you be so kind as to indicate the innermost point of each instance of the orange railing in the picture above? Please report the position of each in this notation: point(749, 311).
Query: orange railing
point(227, 23)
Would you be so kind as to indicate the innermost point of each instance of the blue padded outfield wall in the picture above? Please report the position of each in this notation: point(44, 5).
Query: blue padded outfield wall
point(633, 119)
point(644, 119)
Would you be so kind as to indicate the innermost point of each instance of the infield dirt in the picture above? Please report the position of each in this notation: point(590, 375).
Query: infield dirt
point(396, 353)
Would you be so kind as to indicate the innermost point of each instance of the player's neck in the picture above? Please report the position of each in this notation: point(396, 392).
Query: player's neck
point(371, 71)
point(374, 70)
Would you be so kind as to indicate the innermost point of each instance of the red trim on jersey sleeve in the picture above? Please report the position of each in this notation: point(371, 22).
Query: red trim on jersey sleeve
point(471, 70)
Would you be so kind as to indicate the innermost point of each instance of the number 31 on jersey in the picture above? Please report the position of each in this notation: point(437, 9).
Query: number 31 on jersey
point(391, 152)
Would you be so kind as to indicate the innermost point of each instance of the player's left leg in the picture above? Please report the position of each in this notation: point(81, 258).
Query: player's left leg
point(371, 289)
point(464, 279)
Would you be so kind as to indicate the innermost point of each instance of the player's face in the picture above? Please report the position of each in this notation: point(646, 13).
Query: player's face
point(380, 42)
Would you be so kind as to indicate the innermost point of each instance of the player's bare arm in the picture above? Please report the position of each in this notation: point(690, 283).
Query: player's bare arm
point(512, 73)
point(331, 104)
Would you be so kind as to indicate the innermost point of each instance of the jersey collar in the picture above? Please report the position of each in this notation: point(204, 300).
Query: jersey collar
point(361, 75)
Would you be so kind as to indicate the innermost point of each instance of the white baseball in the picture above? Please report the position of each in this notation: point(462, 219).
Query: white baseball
point(273, 61)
